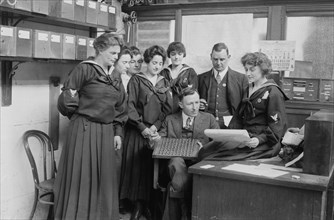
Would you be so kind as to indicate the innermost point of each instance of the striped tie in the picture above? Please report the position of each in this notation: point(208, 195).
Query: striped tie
point(218, 78)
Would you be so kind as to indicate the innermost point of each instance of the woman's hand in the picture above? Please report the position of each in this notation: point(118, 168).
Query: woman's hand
point(146, 133)
point(202, 104)
point(253, 143)
point(153, 129)
point(117, 142)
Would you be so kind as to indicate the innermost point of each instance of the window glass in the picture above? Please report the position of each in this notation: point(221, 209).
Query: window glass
point(155, 33)
point(259, 32)
point(240, 32)
point(314, 46)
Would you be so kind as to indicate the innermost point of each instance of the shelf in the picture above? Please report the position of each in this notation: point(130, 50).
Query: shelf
point(42, 60)
point(56, 21)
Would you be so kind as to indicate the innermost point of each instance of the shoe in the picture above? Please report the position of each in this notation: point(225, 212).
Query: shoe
point(137, 212)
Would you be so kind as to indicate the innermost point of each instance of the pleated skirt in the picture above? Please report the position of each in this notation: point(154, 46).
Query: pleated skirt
point(137, 167)
point(86, 186)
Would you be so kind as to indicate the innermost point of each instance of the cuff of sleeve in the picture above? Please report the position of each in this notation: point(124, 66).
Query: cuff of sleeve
point(157, 124)
point(141, 127)
point(262, 138)
point(119, 131)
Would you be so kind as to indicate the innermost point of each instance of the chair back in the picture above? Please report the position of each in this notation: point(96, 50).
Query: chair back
point(46, 146)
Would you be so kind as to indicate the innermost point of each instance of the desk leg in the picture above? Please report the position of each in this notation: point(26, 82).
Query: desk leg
point(155, 173)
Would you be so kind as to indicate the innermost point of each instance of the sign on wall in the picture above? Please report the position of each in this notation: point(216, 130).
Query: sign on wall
point(281, 54)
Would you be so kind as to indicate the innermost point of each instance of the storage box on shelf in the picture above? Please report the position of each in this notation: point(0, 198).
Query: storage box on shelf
point(80, 10)
point(24, 42)
point(68, 47)
point(91, 12)
point(7, 41)
point(41, 44)
point(56, 45)
point(81, 48)
point(62, 9)
point(23, 5)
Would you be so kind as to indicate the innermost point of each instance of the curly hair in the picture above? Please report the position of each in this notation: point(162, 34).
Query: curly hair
point(257, 59)
point(154, 50)
point(176, 46)
point(104, 41)
point(135, 50)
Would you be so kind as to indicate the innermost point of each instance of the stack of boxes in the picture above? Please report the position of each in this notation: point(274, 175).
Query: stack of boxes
point(24, 42)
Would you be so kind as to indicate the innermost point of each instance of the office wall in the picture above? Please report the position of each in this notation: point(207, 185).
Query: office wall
point(29, 110)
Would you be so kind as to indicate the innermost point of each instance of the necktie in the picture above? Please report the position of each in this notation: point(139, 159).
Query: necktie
point(218, 78)
point(188, 123)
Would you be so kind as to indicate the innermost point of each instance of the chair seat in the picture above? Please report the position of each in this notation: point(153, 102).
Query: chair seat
point(47, 184)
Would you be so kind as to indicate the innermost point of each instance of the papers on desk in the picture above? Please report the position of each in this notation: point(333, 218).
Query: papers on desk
point(255, 170)
point(235, 135)
point(208, 166)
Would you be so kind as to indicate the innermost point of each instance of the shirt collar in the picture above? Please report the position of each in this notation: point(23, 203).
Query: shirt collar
point(184, 119)
point(222, 73)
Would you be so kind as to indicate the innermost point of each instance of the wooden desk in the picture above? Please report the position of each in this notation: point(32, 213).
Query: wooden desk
point(230, 195)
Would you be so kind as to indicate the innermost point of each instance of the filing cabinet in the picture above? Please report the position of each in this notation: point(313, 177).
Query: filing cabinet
point(41, 7)
point(62, 9)
point(111, 16)
point(81, 48)
point(41, 45)
point(68, 47)
point(91, 12)
point(102, 18)
point(56, 45)
point(80, 10)
point(23, 5)
point(24, 42)
point(7, 41)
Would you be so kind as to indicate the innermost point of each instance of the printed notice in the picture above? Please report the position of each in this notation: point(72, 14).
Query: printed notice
point(42, 37)
point(80, 2)
point(69, 39)
point(281, 54)
point(55, 38)
point(112, 10)
point(7, 31)
point(24, 34)
point(82, 41)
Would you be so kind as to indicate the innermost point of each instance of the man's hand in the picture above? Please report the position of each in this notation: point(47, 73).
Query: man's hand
point(203, 104)
point(253, 143)
point(117, 142)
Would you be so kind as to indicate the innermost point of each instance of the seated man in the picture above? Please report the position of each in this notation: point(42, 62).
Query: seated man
point(188, 123)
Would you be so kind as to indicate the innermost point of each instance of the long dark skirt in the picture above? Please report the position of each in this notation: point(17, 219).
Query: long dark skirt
point(86, 184)
point(137, 167)
point(230, 151)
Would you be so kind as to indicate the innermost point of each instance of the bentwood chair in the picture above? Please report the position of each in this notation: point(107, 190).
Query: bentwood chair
point(44, 186)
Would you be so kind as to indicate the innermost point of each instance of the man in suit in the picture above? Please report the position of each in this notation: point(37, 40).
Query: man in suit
point(188, 123)
point(221, 89)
